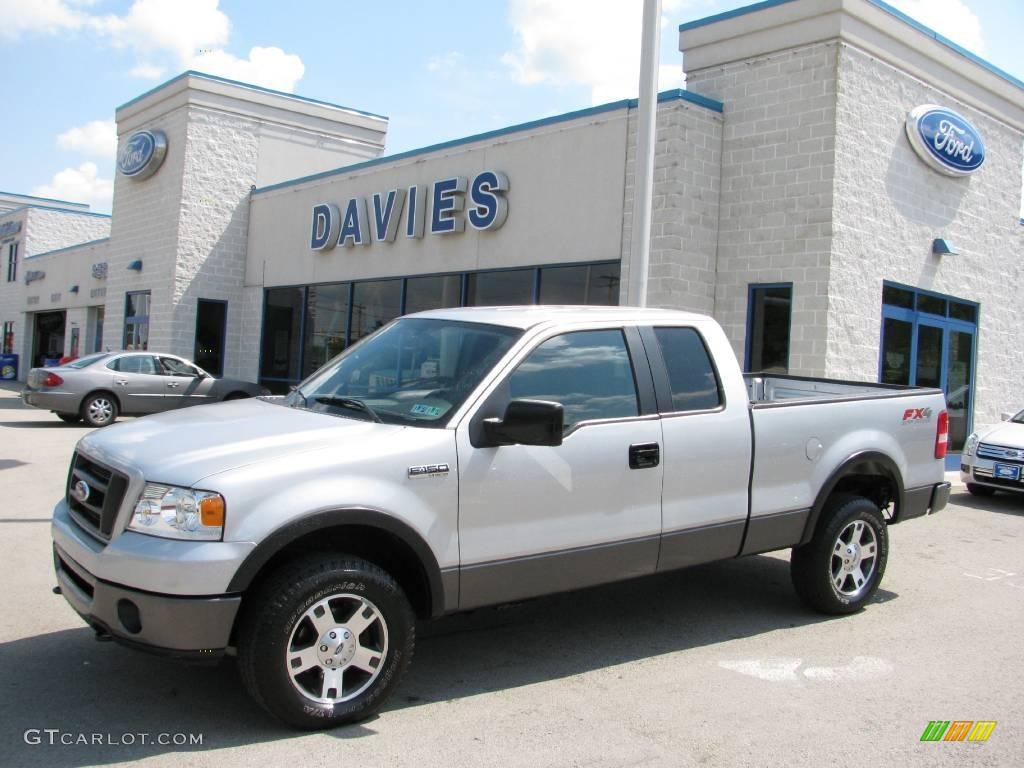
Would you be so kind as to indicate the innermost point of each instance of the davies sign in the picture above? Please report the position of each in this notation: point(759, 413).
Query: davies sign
point(945, 140)
point(142, 154)
point(453, 202)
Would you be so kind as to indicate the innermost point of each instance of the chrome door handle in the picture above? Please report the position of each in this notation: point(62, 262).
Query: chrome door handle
point(121, 382)
point(172, 384)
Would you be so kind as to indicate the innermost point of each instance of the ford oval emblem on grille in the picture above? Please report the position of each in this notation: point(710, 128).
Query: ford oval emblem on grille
point(81, 491)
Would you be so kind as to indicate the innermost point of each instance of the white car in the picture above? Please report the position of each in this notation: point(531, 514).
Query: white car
point(993, 458)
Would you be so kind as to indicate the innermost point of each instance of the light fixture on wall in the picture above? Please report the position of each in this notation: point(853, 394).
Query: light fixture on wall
point(942, 247)
point(136, 265)
point(73, 289)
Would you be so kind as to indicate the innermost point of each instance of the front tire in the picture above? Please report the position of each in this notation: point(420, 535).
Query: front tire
point(840, 569)
point(325, 641)
point(99, 409)
point(980, 490)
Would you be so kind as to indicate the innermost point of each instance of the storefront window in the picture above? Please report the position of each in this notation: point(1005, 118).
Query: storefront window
point(12, 262)
point(326, 324)
point(211, 329)
point(282, 335)
point(496, 289)
point(583, 284)
point(136, 320)
point(9, 337)
point(374, 304)
point(435, 292)
point(768, 326)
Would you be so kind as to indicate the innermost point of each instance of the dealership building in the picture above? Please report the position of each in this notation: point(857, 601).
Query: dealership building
point(839, 186)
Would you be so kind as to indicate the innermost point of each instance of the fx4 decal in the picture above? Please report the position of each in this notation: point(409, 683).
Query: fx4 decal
point(914, 415)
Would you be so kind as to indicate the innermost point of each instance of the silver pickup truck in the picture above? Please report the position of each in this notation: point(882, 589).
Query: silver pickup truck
point(468, 457)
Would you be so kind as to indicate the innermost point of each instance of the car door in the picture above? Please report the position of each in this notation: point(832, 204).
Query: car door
point(707, 449)
point(538, 519)
point(139, 383)
point(185, 383)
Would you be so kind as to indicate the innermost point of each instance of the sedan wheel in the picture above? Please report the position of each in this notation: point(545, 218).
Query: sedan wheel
point(99, 410)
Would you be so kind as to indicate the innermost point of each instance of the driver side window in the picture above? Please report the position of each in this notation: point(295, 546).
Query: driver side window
point(588, 372)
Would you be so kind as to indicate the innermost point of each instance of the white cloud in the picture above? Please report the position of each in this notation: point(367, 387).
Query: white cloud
point(183, 27)
point(82, 185)
point(97, 138)
point(445, 62)
point(147, 71)
point(44, 16)
point(165, 34)
point(950, 18)
point(595, 43)
point(269, 67)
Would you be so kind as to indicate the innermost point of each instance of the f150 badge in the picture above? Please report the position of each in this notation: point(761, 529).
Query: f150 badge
point(917, 415)
point(428, 470)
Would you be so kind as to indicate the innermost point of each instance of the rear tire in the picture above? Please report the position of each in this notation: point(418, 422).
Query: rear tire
point(840, 569)
point(69, 418)
point(324, 641)
point(99, 409)
point(980, 490)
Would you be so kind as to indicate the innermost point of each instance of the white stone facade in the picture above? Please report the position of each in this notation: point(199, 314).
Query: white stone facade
point(792, 166)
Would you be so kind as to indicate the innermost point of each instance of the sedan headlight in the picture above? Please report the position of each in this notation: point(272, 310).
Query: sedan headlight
point(971, 444)
point(179, 513)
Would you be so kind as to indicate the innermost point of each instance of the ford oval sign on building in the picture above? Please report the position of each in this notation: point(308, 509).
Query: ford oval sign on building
point(142, 154)
point(945, 140)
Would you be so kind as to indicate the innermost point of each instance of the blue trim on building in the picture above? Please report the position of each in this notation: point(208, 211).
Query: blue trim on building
point(68, 248)
point(216, 79)
point(677, 93)
point(881, 6)
point(55, 208)
point(731, 14)
point(37, 197)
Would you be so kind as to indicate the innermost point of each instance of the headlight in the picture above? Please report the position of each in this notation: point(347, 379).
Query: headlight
point(179, 513)
point(971, 444)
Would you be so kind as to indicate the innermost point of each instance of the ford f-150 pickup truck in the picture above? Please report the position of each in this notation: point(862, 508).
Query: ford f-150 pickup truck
point(470, 457)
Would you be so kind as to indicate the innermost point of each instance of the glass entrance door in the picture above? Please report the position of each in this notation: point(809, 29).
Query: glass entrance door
point(928, 340)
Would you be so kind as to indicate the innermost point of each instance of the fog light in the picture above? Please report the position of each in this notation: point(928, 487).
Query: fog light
point(128, 615)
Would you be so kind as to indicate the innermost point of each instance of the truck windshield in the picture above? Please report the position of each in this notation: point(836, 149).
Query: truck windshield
point(413, 371)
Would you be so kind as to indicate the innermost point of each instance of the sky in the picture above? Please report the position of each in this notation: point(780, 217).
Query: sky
point(438, 70)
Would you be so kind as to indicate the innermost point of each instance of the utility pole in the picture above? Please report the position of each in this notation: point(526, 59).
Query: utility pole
point(643, 187)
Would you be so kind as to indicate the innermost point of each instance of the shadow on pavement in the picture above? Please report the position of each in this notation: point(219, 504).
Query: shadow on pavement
point(47, 424)
point(67, 680)
point(1003, 502)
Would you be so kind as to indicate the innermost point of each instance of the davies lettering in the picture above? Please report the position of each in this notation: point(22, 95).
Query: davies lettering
point(945, 140)
point(452, 203)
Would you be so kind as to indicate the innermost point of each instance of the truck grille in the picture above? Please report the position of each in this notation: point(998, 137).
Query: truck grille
point(1000, 452)
point(94, 495)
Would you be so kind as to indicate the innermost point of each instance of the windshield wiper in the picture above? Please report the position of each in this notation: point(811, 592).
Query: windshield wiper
point(349, 402)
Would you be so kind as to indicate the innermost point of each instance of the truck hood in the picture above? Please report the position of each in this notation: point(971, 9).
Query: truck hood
point(183, 447)
point(1009, 434)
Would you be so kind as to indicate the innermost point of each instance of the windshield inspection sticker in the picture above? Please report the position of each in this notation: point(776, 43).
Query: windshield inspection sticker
point(421, 409)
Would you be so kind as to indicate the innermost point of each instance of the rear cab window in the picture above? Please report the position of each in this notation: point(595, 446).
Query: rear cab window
point(692, 377)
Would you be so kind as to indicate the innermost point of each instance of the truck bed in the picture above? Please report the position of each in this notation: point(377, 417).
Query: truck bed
point(775, 389)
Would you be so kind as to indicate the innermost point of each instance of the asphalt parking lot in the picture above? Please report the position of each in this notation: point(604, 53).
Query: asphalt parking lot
point(715, 666)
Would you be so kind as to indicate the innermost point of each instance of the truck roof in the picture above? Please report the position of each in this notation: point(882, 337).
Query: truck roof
point(535, 314)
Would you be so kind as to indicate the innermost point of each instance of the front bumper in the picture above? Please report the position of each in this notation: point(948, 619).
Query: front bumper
point(982, 472)
point(196, 627)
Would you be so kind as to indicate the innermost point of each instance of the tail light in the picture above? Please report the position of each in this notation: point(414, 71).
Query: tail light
point(52, 380)
point(942, 435)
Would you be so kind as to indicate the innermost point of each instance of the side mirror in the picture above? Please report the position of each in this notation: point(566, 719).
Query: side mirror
point(527, 422)
point(1005, 416)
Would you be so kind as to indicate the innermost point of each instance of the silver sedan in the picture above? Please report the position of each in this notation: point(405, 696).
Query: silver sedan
point(99, 387)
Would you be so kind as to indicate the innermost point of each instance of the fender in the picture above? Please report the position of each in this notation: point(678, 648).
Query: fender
point(864, 462)
point(282, 537)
